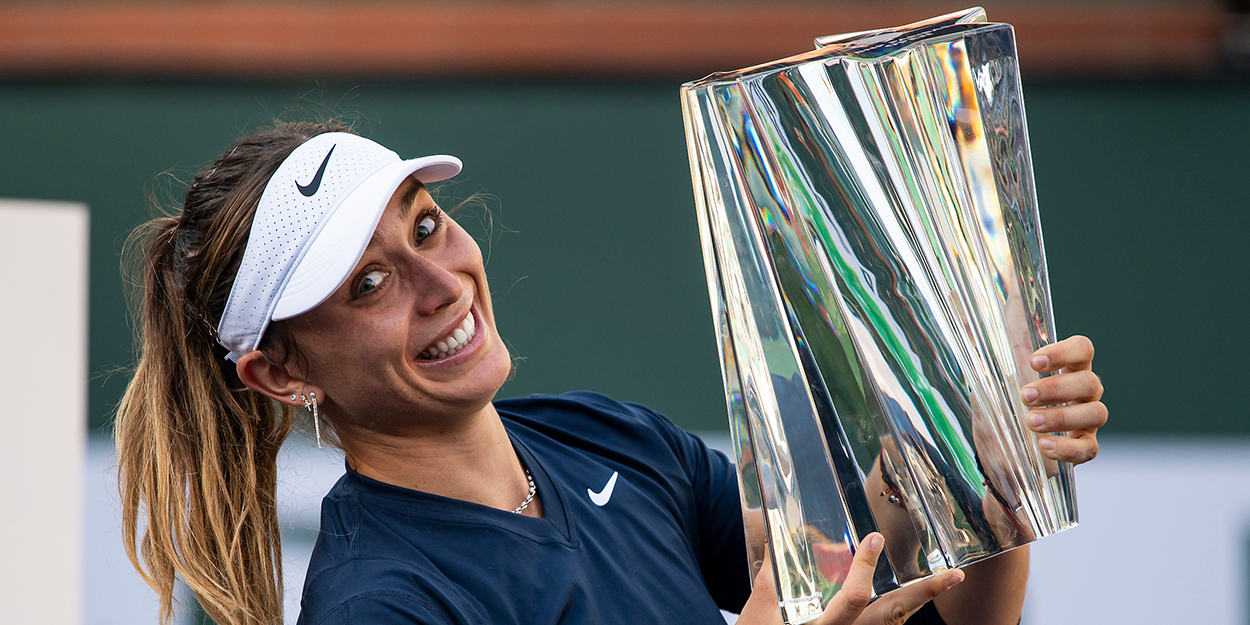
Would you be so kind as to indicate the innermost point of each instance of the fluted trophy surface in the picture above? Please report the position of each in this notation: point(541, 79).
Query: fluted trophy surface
point(878, 282)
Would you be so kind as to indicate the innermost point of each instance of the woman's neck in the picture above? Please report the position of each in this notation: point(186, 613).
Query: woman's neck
point(472, 460)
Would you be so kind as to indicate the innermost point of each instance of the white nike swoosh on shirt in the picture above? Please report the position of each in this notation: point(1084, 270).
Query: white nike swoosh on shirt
point(601, 498)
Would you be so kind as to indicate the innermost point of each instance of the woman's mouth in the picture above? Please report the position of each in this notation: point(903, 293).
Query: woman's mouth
point(453, 342)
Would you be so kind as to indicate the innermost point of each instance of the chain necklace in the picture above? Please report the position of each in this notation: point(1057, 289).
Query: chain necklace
point(528, 498)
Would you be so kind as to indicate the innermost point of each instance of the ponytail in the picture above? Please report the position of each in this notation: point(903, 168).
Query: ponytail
point(197, 450)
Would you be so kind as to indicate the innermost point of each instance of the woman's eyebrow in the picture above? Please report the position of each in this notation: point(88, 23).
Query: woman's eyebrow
point(409, 200)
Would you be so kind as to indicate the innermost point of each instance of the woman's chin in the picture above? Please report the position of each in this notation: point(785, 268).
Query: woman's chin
point(472, 376)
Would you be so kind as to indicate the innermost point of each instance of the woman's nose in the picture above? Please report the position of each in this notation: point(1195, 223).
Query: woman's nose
point(434, 285)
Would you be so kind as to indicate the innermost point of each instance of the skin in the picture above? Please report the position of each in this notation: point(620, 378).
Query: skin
point(430, 426)
point(424, 425)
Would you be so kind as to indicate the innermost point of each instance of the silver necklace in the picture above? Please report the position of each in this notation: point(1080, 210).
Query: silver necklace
point(528, 498)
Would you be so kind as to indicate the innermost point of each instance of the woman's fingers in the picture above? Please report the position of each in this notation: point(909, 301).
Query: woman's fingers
point(896, 606)
point(856, 592)
point(1065, 387)
point(1068, 402)
point(1076, 353)
point(850, 604)
point(847, 604)
point(1076, 416)
point(1081, 446)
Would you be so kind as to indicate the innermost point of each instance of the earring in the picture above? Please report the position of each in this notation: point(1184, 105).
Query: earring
point(311, 405)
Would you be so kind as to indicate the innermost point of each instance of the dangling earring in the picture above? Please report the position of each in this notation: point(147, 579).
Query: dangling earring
point(311, 405)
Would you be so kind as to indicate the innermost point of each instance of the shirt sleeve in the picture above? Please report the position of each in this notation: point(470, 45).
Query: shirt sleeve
point(721, 540)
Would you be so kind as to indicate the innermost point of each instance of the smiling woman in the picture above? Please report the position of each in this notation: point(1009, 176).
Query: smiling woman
point(309, 268)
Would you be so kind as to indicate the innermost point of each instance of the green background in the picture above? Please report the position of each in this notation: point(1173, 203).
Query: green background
point(594, 259)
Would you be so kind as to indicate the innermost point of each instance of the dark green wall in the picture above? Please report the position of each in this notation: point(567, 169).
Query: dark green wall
point(596, 270)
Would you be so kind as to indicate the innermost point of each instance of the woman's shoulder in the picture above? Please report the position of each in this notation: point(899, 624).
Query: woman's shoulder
point(582, 409)
point(626, 432)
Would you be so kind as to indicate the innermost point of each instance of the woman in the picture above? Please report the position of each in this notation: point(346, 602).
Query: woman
point(310, 269)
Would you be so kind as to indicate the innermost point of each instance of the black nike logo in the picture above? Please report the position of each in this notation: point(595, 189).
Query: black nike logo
point(310, 189)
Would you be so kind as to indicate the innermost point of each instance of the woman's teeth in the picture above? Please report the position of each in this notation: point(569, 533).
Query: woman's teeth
point(453, 342)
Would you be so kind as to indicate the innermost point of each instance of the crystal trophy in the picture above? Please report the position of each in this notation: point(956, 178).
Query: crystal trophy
point(878, 284)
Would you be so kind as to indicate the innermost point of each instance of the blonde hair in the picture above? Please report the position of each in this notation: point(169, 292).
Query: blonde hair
point(197, 450)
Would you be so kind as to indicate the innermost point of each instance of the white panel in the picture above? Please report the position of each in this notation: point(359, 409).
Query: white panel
point(43, 409)
point(114, 593)
point(1165, 526)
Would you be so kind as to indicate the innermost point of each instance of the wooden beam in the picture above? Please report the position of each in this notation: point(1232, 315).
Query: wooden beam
point(549, 41)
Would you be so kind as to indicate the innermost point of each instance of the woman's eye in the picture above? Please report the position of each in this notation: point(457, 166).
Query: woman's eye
point(370, 281)
point(426, 227)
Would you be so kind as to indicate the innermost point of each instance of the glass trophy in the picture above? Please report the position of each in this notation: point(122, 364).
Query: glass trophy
point(878, 284)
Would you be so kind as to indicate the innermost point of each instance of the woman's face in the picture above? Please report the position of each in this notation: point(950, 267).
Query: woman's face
point(381, 348)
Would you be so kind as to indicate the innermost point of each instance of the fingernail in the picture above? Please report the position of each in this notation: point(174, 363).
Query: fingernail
point(875, 542)
point(1047, 443)
point(1040, 362)
point(1029, 394)
point(1036, 419)
point(955, 578)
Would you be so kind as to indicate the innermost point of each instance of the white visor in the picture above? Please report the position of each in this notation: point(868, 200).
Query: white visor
point(312, 225)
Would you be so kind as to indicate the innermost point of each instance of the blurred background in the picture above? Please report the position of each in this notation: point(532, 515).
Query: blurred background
point(567, 117)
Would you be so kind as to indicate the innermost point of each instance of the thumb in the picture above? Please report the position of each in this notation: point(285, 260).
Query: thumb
point(855, 594)
point(762, 606)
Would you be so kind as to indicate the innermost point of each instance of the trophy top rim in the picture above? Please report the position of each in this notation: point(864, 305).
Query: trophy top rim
point(971, 15)
point(870, 46)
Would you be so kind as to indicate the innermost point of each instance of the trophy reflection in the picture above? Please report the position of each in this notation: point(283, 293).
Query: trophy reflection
point(878, 282)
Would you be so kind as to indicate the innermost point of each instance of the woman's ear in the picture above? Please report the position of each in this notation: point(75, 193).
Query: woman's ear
point(274, 380)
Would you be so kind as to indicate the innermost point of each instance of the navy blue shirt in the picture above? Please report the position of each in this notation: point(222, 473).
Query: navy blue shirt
point(663, 543)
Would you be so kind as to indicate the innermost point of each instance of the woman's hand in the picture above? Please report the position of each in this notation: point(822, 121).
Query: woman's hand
point(1073, 397)
point(850, 604)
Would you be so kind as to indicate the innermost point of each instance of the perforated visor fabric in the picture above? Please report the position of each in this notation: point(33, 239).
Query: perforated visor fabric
point(335, 250)
point(335, 185)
